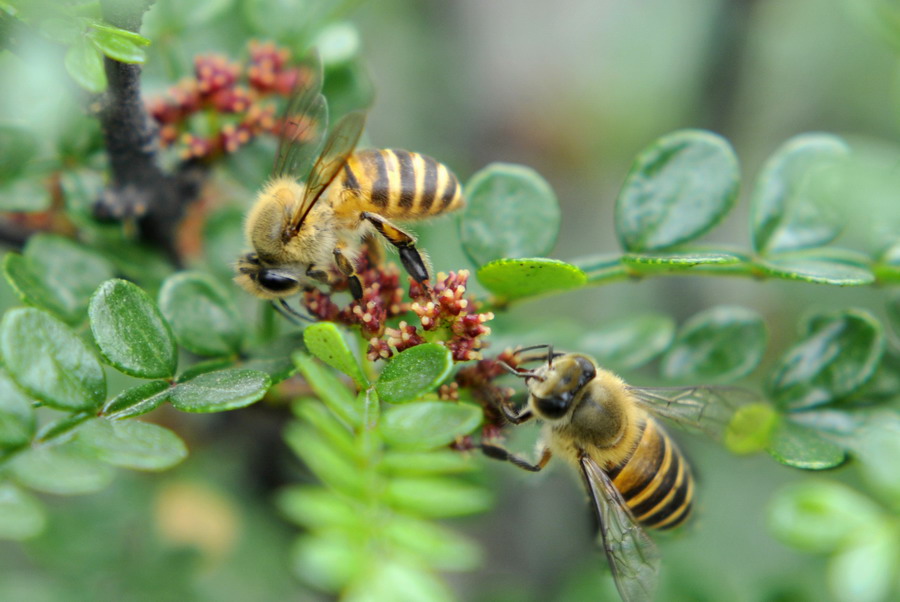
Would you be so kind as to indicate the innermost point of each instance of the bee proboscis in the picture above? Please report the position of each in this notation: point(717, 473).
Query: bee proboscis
point(323, 199)
point(634, 473)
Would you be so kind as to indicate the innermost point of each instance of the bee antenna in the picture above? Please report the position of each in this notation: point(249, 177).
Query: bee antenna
point(531, 348)
point(550, 356)
point(293, 316)
point(520, 374)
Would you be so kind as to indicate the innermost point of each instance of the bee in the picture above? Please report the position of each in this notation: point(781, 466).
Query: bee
point(634, 473)
point(324, 198)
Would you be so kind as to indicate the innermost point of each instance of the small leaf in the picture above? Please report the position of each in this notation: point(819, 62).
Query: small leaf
point(428, 424)
point(315, 414)
point(652, 263)
point(333, 393)
point(325, 341)
point(274, 357)
point(318, 508)
point(511, 212)
point(50, 362)
point(801, 447)
point(328, 561)
point(629, 342)
point(434, 497)
point(512, 279)
point(17, 421)
point(203, 317)
point(787, 209)
point(21, 515)
point(677, 189)
point(750, 429)
point(706, 348)
point(85, 64)
point(601, 268)
point(399, 581)
point(867, 570)
point(816, 270)
point(137, 400)
point(839, 353)
point(435, 462)
point(28, 285)
point(131, 332)
point(122, 48)
point(219, 391)
point(414, 372)
point(329, 463)
point(436, 546)
point(131, 444)
point(57, 470)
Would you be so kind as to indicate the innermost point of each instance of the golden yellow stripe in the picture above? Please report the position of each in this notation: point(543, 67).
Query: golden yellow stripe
point(655, 482)
point(667, 498)
point(679, 514)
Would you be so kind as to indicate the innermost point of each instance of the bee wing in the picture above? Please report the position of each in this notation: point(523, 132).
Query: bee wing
point(704, 409)
point(338, 147)
point(633, 557)
point(303, 123)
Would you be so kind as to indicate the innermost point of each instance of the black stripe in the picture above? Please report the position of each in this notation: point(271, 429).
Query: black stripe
point(684, 515)
point(449, 190)
point(350, 181)
point(380, 187)
point(659, 451)
point(615, 470)
point(672, 506)
point(662, 490)
point(407, 179)
point(429, 189)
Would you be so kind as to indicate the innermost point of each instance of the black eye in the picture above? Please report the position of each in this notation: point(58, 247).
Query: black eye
point(276, 282)
point(554, 407)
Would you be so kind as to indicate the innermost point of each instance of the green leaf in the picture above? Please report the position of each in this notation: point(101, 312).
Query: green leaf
point(816, 270)
point(17, 421)
point(668, 262)
point(131, 332)
point(800, 447)
point(820, 516)
point(223, 240)
point(436, 546)
point(219, 391)
point(50, 362)
point(317, 508)
point(202, 315)
point(428, 424)
point(414, 372)
point(629, 342)
point(435, 497)
point(327, 462)
point(787, 206)
point(21, 515)
point(328, 387)
point(839, 353)
point(399, 581)
point(867, 571)
point(274, 357)
point(314, 413)
point(137, 400)
point(325, 341)
point(328, 561)
point(601, 268)
point(85, 64)
point(18, 146)
point(25, 280)
point(706, 348)
point(58, 470)
point(512, 279)
point(425, 463)
point(511, 212)
point(751, 428)
point(117, 47)
point(677, 189)
point(131, 36)
point(28, 195)
point(131, 444)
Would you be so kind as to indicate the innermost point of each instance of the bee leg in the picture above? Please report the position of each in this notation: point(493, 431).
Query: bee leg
point(292, 315)
point(405, 243)
point(318, 274)
point(347, 269)
point(500, 453)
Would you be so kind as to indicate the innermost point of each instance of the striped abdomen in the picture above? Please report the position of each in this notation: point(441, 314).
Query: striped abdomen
point(400, 184)
point(655, 480)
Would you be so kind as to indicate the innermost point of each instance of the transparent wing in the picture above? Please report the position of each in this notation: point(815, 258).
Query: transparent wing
point(303, 123)
point(632, 555)
point(338, 147)
point(704, 409)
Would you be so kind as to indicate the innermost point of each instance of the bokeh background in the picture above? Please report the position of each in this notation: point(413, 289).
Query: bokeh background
point(574, 89)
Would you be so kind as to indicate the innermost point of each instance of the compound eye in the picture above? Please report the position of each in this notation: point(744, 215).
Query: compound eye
point(276, 282)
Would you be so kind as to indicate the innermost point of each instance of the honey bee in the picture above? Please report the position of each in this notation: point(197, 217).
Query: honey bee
point(308, 231)
point(634, 473)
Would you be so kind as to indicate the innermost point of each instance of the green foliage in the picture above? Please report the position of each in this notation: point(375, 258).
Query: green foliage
point(414, 372)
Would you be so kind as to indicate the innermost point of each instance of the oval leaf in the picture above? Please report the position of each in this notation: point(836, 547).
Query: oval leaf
point(50, 362)
point(670, 262)
point(56, 470)
point(816, 270)
point(85, 64)
point(801, 447)
point(17, 421)
point(325, 341)
point(677, 189)
point(707, 347)
point(131, 332)
point(220, 390)
point(333, 393)
point(512, 279)
point(334, 468)
point(629, 342)
point(137, 400)
point(750, 429)
point(837, 356)
point(435, 497)
point(788, 205)
point(28, 285)
point(203, 317)
point(414, 372)
point(121, 48)
point(131, 444)
point(21, 516)
point(511, 212)
point(428, 424)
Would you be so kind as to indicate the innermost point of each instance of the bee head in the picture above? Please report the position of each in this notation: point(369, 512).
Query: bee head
point(262, 281)
point(555, 385)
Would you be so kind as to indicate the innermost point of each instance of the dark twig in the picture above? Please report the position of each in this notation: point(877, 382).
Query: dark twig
point(139, 188)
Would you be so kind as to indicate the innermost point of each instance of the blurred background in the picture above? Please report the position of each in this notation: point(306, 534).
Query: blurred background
point(574, 89)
